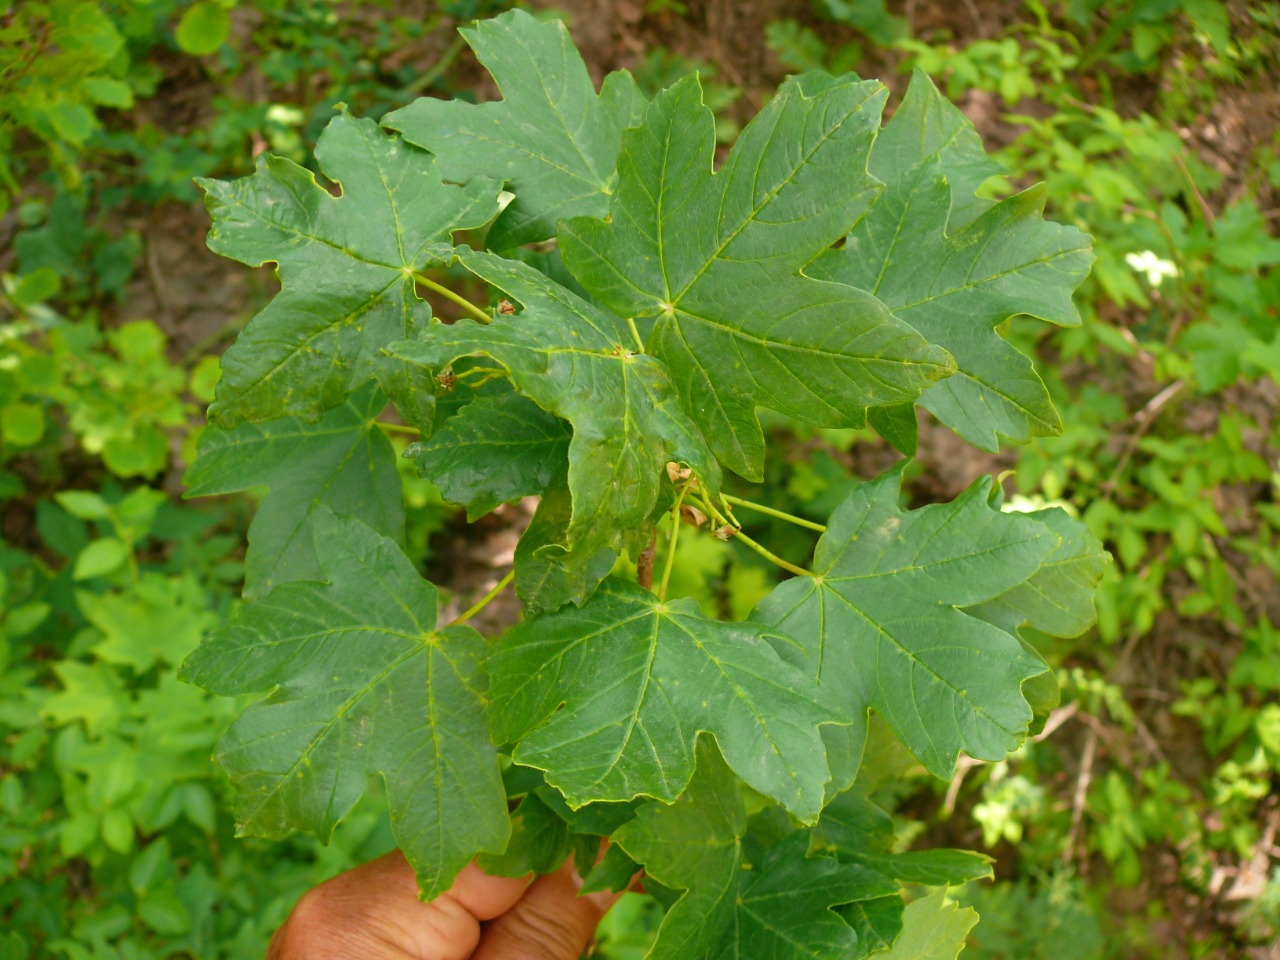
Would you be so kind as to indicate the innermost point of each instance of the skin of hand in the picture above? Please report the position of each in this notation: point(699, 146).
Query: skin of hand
point(373, 913)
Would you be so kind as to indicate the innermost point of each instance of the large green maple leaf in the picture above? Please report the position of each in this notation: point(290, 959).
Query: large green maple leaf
point(343, 463)
point(882, 623)
point(363, 682)
point(551, 140)
point(573, 361)
point(713, 261)
point(345, 264)
point(609, 699)
point(956, 266)
point(778, 908)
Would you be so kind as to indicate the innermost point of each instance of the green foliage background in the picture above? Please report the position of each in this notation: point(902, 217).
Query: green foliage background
point(1152, 798)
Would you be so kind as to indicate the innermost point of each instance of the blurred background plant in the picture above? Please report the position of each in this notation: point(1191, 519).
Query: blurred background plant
point(1141, 822)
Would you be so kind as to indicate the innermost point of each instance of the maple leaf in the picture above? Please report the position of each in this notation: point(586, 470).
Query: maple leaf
point(362, 682)
point(882, 623)
point(572, 361)
point(343, 463)
point(855, 830)
point(978, 272)
point(925, 126)
point(495, 449)
point(713, 261)
point(542, 583)
point(1058, 598)
point(551, 140)
point(609, 700)
point(160, 620)
point(933, 928)
point(778, 908)
point(345, 264)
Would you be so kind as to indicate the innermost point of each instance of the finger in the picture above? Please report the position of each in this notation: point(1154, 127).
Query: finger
point(550, 922)
point(373, 913)
point(483, 896)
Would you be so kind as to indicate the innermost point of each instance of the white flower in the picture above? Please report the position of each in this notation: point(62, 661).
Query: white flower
point(1156, 268)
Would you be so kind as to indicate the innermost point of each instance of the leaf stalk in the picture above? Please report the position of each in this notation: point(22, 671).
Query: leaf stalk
point(771, 556)
point(771, 512)
point(669, 562)
point(457, 298)
point(399, 428)
point(635, 332)
point(483, 601)
point(736, 531)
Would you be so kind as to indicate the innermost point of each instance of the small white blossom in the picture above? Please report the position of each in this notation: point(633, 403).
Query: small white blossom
point(1156, 268)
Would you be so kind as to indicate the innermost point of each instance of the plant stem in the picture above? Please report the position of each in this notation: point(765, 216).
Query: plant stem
point(771, 556)
point(770, 511)
point(437, 69)
point(768, 554)
point(669, 562)
point(483, 601)
point(460, 300)
point(635, 332)
point(399, 428)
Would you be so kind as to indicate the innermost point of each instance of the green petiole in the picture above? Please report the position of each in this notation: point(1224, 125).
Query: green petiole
point(771, 512)
point(448, 294)
point(483, 601)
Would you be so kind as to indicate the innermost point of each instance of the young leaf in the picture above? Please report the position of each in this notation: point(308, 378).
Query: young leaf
point(343, 463)
point(551, 140)
point(573, 362)
point(363, 682)
point(346, 265)
point(609, 700)
point(494, 450)
point(780, 909)
point(933, 928)
point(714, 259)
point(1006, 262)
point(882, 623)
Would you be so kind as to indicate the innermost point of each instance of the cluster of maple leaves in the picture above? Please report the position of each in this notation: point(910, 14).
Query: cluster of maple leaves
point(829, 270)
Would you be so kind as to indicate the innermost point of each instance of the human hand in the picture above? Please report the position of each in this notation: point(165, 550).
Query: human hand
point(373, 913)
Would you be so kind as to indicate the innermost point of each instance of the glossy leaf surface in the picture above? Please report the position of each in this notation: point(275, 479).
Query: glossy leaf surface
point(493, 450)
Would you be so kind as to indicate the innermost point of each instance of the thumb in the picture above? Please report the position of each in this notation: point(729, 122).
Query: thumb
point(373, 913)
point(551, 922)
